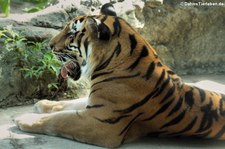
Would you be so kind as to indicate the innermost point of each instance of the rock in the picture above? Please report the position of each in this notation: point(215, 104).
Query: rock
point(46, 23)
point(131, 11)
point(196, 42)
point(153, 3)
point(165, 55)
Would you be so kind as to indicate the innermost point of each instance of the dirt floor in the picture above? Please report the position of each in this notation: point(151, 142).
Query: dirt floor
point(12, 138)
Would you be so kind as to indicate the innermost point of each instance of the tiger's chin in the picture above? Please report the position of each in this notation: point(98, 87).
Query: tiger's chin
point(71, 69)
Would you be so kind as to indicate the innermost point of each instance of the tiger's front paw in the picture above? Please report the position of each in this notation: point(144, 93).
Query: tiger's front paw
point(45, 106)
point(30, 122)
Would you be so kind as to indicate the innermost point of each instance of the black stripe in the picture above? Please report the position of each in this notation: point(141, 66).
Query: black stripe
point(93, 91)
point(208, 116)
point(83, 30)
point(174, 121)
point(79, 42)
point(116, 51)
point(170, 72)
point(162, 88)
point(86, 43)
point(161, 110)
point(129, 124)
point(144, 53)
point(117, 27)
point(205, 124)
point(113, 120)
point(189, 99)
point(79, 39)
point(100, 74)
point(159, 64)
point(94, 106)
point(187, 128)
point(71, 46)
point(161, 78)
point(220, 133)
point(75, 34)
point(168, 94)
point(81, 19)
point(104, 18)
point(117, 78)
point(221, 109)
point(206, 119)
point(133, 43)
point(138, 104)
point(176, 107)
point(150, 70)
point(202, 94)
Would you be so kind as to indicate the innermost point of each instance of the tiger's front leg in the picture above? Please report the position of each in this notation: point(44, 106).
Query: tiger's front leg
point(47, 106)
point(81, 125)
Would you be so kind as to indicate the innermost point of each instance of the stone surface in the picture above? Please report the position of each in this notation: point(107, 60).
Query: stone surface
point(190, 39)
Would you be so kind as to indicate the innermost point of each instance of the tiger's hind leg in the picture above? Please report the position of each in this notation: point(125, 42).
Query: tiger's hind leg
point(47, 106)
point(81, 125)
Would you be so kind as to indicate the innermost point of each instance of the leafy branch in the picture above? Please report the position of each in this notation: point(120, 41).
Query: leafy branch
point(35, 58)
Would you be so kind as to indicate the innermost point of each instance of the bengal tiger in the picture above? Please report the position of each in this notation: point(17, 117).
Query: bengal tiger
point(132, 93)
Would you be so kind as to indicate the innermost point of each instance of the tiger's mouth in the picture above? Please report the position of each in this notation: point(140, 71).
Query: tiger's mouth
point(71, 68)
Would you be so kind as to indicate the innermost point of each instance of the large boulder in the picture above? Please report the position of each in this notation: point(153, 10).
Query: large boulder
point(191, 39)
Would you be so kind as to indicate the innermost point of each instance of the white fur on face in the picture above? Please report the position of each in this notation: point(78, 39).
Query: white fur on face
point(76, 26)
point(79, 25)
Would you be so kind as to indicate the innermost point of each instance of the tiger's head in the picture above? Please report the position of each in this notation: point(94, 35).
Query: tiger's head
point(91, 42)
point(79, 36)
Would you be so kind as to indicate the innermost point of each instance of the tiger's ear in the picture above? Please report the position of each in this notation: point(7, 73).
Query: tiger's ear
point(108, 9)
point(100, 29)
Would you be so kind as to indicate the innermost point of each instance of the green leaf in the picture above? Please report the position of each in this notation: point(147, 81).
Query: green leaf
point(48, 56)
point(36, 1)
point(5, 5)
point(53, 85)
point(56, 70)
point(34, 9)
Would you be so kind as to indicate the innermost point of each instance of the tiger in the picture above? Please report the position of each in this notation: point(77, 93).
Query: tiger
point(132, 92)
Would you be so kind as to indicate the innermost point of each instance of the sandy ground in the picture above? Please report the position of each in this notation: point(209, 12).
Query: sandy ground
point(12, 138)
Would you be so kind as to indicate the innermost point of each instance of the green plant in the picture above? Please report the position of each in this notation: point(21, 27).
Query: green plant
point(5, 5)
point(39, 5)
point(35, 59)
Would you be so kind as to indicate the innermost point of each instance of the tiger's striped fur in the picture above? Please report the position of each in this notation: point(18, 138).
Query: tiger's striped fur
point(133, 93)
